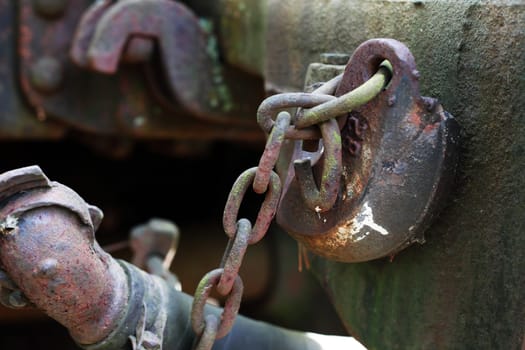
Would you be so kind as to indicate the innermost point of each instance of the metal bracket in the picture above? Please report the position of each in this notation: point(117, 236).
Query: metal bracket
point(394, 183)
point(125, 103)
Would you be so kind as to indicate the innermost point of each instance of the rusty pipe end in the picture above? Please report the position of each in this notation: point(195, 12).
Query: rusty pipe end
point(48, 249)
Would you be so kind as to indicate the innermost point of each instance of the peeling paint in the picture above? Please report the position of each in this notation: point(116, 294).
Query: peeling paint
point(8, 226)
point(352, 228)
point(366, 218)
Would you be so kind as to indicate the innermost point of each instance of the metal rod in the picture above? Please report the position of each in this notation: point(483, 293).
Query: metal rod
point(349, 101)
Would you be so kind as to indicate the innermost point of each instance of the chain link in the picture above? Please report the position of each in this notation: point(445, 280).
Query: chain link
point(271, 152)
point(231, 308)
point(268, 207)
point(315, 120)
point(234, 255)
point(347, 102)
point(209, 334)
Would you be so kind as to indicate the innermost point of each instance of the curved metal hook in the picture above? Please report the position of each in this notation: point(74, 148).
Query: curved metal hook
point(175, 29)
point(323, 198)
point(85, 31)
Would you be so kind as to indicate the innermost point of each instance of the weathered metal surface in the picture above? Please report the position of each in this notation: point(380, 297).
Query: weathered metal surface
point(130, 102)
point(180, 39)
point(408, 147)
point(47, 247)
point(138, 49)
point(464, 287)
point(59, 270)
point(17, 121)
point(322, 197)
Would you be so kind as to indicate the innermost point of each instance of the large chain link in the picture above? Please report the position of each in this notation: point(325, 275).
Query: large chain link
point(315, 120)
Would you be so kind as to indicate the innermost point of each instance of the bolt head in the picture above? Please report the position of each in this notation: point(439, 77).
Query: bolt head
point(50, 8)
point(47, 268)
point(46, 75)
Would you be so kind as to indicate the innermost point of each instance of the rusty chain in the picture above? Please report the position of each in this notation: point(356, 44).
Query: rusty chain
point(316, 119)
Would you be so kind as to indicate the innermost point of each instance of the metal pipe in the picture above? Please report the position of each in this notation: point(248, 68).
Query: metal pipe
point(47, 248)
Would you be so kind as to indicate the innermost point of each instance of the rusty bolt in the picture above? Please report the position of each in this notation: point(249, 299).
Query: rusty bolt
point(50, 8)
point(334, 58)
point(46, 75)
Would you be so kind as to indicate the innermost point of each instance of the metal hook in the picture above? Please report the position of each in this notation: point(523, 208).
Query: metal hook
point(323, 198)
point(136, 25)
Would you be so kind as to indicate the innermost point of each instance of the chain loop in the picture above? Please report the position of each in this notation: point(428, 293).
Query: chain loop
point(271, 152)
point(349, 101)
point(206, 340)
point(231, 307)
point(276, 103)
point(268, 207)
point(315, 123)
point(234, 255)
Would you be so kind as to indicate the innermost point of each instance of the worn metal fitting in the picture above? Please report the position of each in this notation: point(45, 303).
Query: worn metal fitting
point(47, 75)
point(158, 237)
point(154, 245)
point(47, 248)
point(409, 148)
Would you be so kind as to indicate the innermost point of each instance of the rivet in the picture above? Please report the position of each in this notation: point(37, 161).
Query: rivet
point(46, 74)
point(391, 101)
point(47, 268)
point(50, 8)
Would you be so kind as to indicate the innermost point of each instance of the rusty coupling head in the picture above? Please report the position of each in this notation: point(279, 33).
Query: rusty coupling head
point(48, 249)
